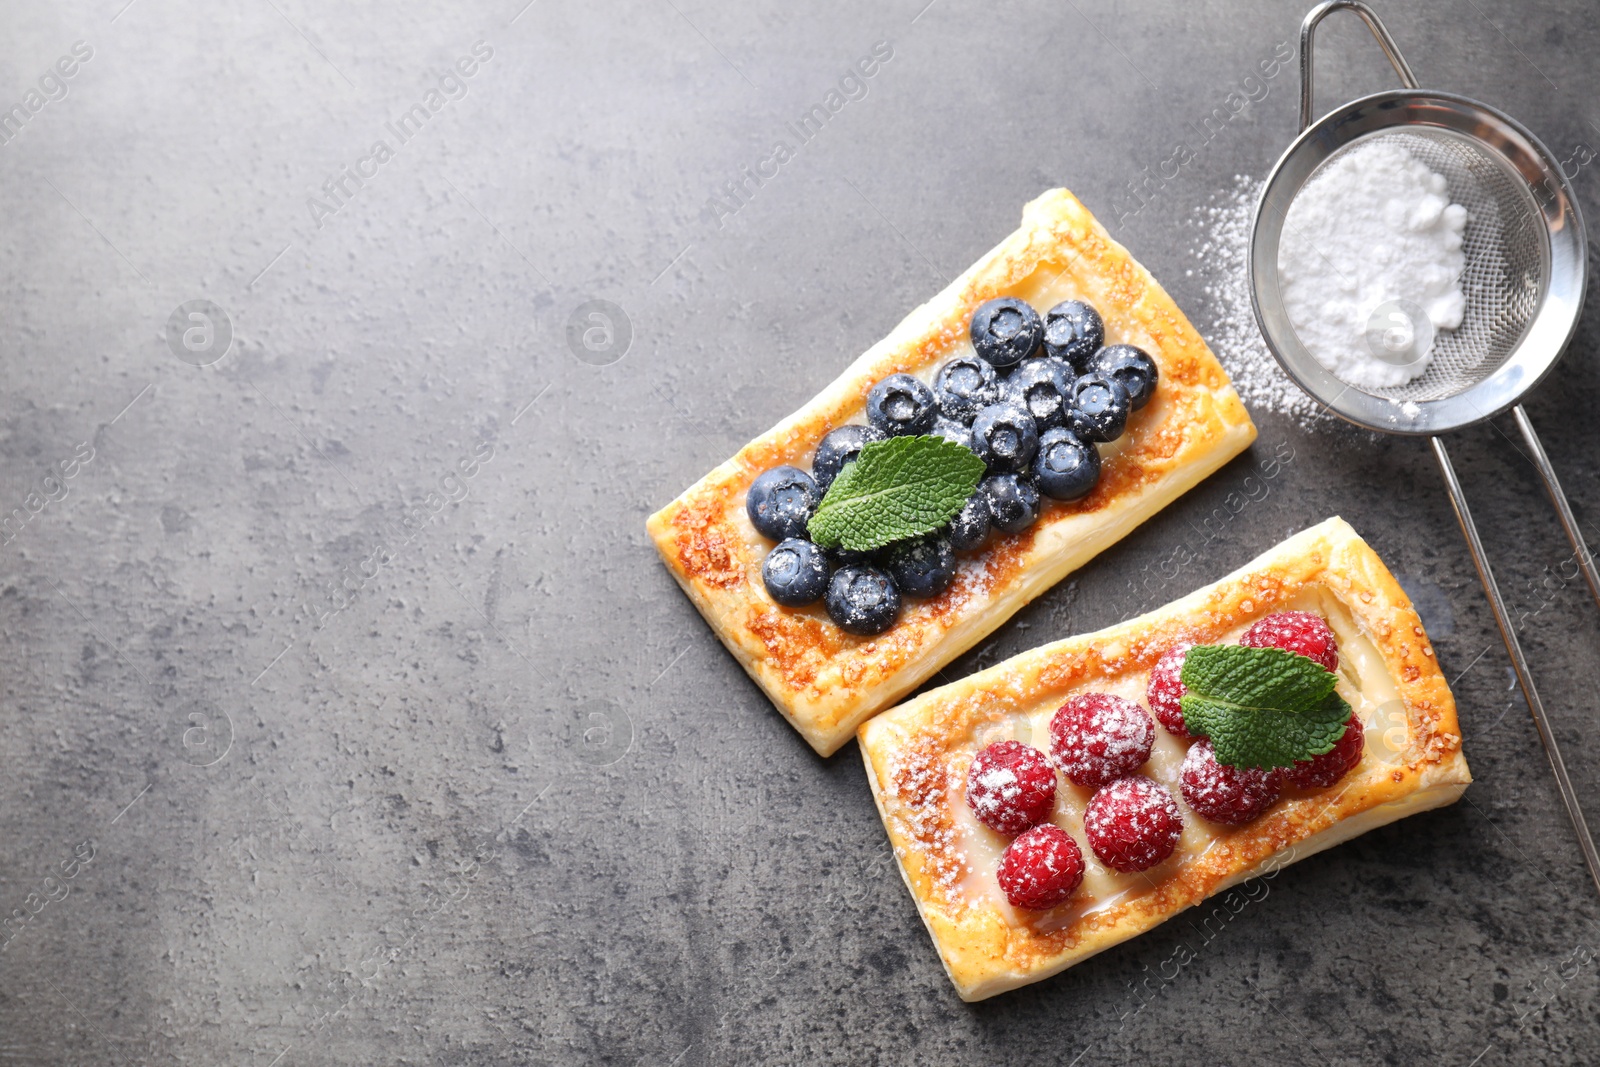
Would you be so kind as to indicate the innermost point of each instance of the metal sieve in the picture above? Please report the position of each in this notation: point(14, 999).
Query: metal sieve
point(1525, 254)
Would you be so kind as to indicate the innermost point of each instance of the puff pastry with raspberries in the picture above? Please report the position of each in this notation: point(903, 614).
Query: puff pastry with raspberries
point(826, 681)
point(1406, 758)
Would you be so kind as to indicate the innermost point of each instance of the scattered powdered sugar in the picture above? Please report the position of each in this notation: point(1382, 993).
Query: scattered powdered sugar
point(1227, 320)
point(921, 783)
point(997, 787)
point(1370, 262)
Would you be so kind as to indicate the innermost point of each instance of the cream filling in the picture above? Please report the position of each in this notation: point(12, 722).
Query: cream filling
point(1364, 681)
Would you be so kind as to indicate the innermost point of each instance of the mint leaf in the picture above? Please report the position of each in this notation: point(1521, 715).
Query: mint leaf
point(1261, 707)
point(896, 489)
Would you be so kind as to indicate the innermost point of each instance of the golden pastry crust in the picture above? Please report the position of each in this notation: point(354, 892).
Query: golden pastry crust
point(825, 681)
point(917, 756)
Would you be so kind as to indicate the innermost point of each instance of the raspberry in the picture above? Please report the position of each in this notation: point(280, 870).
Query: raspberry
point(1326, 769)
point(1133, 824)
point(1232, 795)
point(1097, 738)
point(1295, 631)
point(1011, 786)
point(1166, 688)
point(1041, 868)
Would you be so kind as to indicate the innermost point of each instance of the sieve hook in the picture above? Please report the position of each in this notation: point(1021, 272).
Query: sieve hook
point(1308, 29)
point(1558, 497)
point(1519, 662)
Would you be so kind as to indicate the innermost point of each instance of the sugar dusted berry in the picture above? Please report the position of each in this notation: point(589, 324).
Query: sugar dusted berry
point(1131, 367)
point(1011, 786)
point(1041, 388)
point(1133, 823)
point(1005, 437)
point(780, 502)
point(965, 386)
point(1166, 689)
point(1326, 769)
point(970, 527)
point(1041, 868)
point(862, 599)
point(1073, 331)
point(1099, 409)
point(1231, 795)
point(1096, 738)
point(957, 433)
point(1013, 502)
point(1295, 631)
point(1006, 331)
point(922, 568)
point(901, 404)
point(796, 573)
point(1065, 468)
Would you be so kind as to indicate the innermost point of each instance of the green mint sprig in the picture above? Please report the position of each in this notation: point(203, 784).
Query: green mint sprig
point(896, 489)
point(1261, 707)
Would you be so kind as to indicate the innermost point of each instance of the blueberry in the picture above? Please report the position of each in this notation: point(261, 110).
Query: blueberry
point(1073, 331)
point(1131, 367)
point(796, 573)
point(840, 556)
point(1066, 468)
point(862, 599)
point(957, 433)
point(970, 528)
point(1013, 502)
point(1006, 331)
point(900, 404)
point(1042, 388)
point(964, 385)
point(1099, 408)
point(838, 447)
point(1067, 369)
point(1005, 437)
point(923, 568)
point(781, 501)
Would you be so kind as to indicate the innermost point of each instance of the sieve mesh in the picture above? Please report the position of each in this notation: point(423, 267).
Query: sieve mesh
point(1506, 260)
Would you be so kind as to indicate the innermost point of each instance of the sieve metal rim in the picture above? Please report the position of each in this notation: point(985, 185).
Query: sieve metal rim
point(1564, 254)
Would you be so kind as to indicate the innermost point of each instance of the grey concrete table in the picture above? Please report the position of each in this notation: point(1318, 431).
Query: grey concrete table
point(346, 715)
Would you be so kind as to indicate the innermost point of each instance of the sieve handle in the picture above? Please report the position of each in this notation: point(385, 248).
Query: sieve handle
point(1569, 522)
point(1308, 29)
point(1519, 663)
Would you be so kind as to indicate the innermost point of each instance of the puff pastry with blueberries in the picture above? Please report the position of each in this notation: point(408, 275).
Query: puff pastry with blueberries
point(827, 681)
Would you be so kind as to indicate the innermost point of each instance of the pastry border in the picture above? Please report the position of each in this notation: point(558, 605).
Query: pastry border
point(981, 952)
